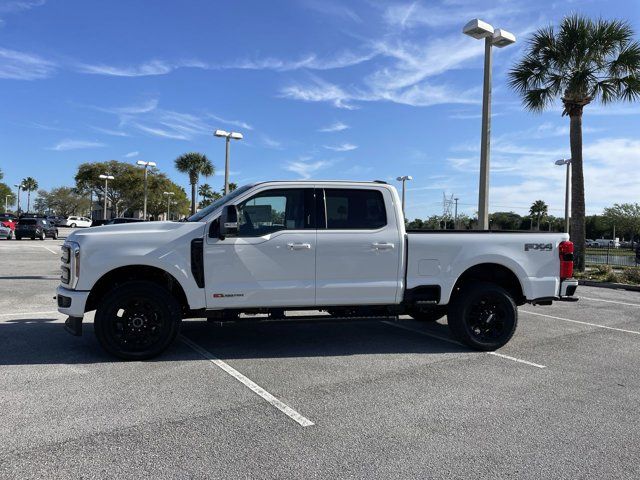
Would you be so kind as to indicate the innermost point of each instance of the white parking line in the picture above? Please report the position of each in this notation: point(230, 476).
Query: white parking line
point(611, 301)
point(582, 323)
point(283, 407)
point(444, 339)
point(46, 248)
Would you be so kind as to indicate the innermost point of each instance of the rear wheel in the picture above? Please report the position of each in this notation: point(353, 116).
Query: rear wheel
point(42, 235)
point(137, 320)
point(18, 237)
point(55, 234)
point(483, 316)
point(73, 225)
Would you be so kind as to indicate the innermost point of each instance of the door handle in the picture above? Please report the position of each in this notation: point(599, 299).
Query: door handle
point(382, 246)
point(299, 246)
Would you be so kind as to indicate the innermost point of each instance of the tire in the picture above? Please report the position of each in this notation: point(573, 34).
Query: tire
point(42, 235)
point(148, 323)
point(430, 315)
point(10, 235)
point(73, 225)
point(55, 234)
point(483, 316)
point(18, 238)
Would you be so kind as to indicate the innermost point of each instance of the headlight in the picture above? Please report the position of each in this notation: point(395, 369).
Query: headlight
point(66, 254)
point(65, 276)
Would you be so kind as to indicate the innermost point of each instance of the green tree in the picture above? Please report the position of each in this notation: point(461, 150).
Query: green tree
point(125, 191)
point(208, 195)
point(63, 201)
point(157, 200)
point(581, 61)
point(7, 198)
point(538, 210)
point(194, 164)
point(625, 217)
point(505, 221)
point(29, 185)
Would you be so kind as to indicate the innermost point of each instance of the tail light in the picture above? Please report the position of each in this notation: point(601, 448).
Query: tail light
point(565, 250)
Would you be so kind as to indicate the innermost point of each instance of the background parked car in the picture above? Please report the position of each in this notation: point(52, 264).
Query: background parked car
point(8, 220)
point(35, 228)
point(74, 222)
point(56, 219)
point(6, 232)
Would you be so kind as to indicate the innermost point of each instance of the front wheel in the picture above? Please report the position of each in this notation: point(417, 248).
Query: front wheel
point(483, 316)
point(55, 234)
point(42, 235)
point(137, 320)
point(73, 225)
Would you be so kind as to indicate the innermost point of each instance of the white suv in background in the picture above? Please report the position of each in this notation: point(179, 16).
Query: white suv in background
point(74, 222)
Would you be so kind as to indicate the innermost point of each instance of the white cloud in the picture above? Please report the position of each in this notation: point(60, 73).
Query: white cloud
point(12, 6)
point(319, 91)
point(344, 147)
point(15, 65)
point(333, 9)
point(334, 127)
point(69, 144)
point(235, 123)
point(132, 154)
point(270, 142)
point(108, 131)
point(304, 168)
point(153, 67)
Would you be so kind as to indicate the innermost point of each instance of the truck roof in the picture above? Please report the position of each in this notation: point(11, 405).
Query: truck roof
point(366, 182)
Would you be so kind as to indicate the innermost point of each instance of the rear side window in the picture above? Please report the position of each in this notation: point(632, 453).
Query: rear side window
point(28, 221)
point(355, 209)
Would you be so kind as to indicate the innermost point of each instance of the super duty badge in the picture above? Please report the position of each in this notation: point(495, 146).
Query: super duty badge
point(541, 247)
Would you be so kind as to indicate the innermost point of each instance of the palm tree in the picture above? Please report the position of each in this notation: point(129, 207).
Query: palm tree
point(194, 164)
point(29, 184)
point(539, 210)
point(580, 62)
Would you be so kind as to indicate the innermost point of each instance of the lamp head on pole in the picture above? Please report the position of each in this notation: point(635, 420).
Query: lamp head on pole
point(478, 29)
point(225, 134)
point(404, 177)
point(107, 177)
point(563, 161)
point(146, 164)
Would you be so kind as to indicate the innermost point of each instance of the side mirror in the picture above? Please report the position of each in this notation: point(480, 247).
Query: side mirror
point(229, 222)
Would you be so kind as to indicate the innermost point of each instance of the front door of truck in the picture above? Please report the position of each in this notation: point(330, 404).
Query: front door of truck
point(272, 261)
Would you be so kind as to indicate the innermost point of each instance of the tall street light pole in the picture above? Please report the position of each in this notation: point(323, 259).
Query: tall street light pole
point(168, 195)
point(567, 191)
point(18, 186)
point(228, 136)
point(6, 202)
point(492, 38)
point(146, 166)
point(455, 215)
point(403, 179)
point(106, 179)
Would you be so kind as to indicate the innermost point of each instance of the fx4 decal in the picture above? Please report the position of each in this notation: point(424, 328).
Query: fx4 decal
point(541, 247)
point(226, 295)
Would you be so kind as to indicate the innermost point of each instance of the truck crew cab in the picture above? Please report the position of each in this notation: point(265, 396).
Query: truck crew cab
point(274, 246)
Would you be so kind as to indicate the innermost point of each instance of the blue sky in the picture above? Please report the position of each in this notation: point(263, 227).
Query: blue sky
point(321, 89)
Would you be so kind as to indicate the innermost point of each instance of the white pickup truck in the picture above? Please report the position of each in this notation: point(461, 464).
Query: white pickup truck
point(339, 247)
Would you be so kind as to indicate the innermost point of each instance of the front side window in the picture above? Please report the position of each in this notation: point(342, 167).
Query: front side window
point(357, 209)
point(274, 210)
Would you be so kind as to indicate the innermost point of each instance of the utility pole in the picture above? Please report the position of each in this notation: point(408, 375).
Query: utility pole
point(455, 215)
point(403, 179)
point(106, 179)
point(146, 165)
point(168, 195)
point(18, 186)
point(228, 136)
point(492, 38)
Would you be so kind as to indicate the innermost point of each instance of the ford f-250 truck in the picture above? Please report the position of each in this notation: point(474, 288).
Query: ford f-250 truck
point(335, 246)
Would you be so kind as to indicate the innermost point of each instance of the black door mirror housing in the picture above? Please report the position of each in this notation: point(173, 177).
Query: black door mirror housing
point(229, 222)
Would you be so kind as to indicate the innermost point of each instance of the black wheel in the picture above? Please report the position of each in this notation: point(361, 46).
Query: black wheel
point(42, 235)
point(73, 225)
point(10, 235)
point(137, 320)
point(55, 235)
point(483, 316)
point(432, 314)
point(18, 237)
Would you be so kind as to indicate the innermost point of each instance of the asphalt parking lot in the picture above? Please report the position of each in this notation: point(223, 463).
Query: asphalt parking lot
point(317, 398)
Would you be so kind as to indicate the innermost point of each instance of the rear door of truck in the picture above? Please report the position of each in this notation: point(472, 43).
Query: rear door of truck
point(359, 246)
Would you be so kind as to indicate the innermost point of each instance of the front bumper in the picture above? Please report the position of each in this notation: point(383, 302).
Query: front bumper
point(71, 302)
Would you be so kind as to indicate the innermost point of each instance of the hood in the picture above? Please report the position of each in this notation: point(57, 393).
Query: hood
point(138, 232)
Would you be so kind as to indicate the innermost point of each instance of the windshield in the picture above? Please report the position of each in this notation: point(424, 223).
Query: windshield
point(218, 203)
point(27, 221)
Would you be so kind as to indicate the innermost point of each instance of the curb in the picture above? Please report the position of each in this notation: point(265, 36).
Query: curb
point(615, 286)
